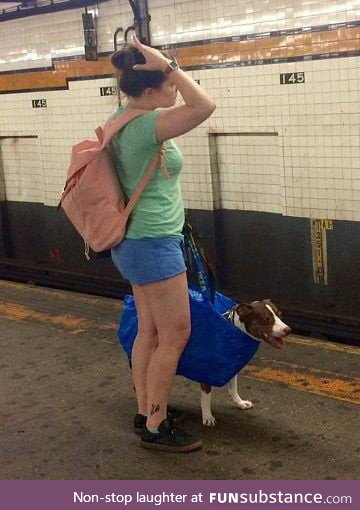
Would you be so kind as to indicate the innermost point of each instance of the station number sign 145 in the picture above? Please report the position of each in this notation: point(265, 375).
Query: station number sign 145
point(39, 103)
point(108, 91)
point(292, 78)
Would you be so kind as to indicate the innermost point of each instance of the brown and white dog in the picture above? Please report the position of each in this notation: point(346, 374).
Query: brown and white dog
point(262, 321)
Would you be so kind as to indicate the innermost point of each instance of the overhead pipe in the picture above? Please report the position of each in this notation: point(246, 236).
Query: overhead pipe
point(142, 20)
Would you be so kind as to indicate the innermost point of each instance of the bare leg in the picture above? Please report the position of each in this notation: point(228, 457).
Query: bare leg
point(168, 303)
point(144, 347)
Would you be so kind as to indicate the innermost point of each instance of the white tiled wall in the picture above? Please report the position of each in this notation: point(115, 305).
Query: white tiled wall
point(318, 126)
point(21, 171)
point(32, 42)
point(250, 170)
point(175, 21)
point(70, 116)
point(317, 173)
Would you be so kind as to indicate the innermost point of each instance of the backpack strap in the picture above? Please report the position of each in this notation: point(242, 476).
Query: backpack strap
point(114, 125)
point(83, 152)
point(156, 162)
point(105, 135)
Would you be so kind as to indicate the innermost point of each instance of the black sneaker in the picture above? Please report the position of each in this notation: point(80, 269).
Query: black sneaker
point(175, 416)
point(169, 439)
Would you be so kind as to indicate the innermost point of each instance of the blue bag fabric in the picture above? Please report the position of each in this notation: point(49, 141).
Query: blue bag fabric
point(216, 351)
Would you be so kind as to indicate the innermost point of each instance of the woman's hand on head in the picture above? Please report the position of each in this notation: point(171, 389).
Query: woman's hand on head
point(155, 60)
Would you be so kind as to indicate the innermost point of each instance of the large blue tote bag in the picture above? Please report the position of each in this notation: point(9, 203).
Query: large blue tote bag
point(217, 350)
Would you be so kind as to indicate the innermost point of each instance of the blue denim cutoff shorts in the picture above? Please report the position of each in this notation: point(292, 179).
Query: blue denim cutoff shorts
point(148, 259)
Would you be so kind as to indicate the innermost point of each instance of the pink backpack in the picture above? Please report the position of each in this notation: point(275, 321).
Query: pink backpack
point(92, 198)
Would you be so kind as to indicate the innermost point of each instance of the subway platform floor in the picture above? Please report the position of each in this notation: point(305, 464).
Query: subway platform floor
point(67, 404)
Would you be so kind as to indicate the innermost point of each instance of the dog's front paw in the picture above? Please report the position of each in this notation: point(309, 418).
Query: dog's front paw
point(209, 420)
point(243, 404)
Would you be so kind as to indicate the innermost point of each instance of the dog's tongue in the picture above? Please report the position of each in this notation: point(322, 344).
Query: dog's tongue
point(275, 341)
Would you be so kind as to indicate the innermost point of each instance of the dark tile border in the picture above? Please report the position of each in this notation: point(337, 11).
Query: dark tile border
point(203, 42)
point(64, 87)
point(263, 35)
point(284, 60)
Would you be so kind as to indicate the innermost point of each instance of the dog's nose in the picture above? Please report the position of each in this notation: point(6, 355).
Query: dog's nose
point(287, 331)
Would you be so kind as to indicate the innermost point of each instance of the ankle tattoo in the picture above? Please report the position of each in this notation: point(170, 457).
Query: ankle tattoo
point(155, 408)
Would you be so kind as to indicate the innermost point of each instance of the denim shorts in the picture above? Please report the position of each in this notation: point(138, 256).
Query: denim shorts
point(149, 260)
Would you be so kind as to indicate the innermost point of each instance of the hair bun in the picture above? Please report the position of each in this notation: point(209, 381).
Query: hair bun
point(126, 58)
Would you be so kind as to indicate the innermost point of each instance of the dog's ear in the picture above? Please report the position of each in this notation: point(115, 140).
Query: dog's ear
point(243, 310)
point(273, 306)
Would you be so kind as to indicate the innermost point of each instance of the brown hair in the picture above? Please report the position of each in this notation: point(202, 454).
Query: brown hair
point(131, 82)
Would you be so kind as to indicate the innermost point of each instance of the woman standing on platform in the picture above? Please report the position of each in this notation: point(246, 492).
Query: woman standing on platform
point(151, 255)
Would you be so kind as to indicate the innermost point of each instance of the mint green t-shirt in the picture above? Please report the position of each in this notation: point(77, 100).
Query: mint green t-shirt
point(159, 211)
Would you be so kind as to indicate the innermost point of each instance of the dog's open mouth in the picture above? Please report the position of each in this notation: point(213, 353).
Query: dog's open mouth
point(275, 341)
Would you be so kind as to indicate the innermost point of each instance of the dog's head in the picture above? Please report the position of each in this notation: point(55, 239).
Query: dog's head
point(262, 320)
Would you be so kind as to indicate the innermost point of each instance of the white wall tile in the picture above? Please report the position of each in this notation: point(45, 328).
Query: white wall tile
point(313, 168)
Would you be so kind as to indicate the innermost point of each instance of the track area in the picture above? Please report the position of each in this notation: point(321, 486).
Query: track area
point(67, 404)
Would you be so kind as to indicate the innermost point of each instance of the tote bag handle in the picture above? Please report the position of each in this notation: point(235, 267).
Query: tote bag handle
point(205, 280)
